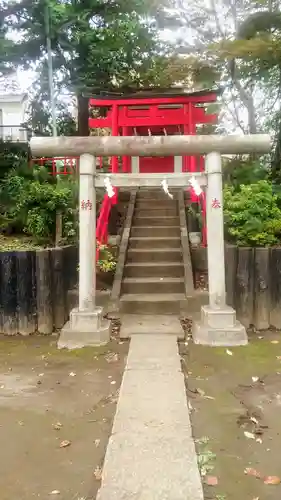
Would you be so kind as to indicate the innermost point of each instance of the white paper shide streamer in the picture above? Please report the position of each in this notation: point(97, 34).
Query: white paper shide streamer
point(196, 186)
point(108, 187)
point(165, 187)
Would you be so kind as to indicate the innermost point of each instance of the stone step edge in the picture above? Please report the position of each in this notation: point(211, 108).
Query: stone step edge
point(154, 250)
point(154, 238)
point(158, 264)
point(153, 227)
point(152, 297)
point(153, 279)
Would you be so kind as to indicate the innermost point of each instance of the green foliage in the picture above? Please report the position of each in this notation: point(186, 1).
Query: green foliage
point(96, 44)
point(252, 215)
point(12, 155)
point(107, 258)
point(30, 200)
point(238, 171)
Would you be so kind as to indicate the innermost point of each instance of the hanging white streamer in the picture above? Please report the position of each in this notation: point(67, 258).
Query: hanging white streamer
point(165, 187)
point(196, 186)
point(108, 187)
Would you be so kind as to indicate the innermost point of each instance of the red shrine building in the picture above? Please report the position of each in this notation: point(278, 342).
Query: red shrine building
point(154, 112)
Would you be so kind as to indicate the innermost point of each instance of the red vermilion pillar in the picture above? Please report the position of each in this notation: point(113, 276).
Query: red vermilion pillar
point(192, 131)
point(114, 132)
point(186, 132)
point(125, 159)
point(192, 162)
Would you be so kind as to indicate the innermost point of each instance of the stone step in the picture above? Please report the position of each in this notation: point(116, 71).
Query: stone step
point(153, 285)
point(162, 231)
point(156, 221)
point(154, 254)
point(152, 303)
point(156, 212)
point(155, 194)
point(140, 203)
point(154, 269)
point(155, 242)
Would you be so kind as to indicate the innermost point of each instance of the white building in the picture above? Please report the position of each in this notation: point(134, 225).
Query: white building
point(13, 104)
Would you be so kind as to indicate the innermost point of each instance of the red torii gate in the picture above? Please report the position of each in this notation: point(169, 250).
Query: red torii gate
point(155, 112)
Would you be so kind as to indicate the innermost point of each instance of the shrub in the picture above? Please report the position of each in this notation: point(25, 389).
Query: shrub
point(252, 215)
point(107, 259)
point(238, 171)
point(30, 200)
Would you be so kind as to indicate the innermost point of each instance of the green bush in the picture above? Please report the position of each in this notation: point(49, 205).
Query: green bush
point(12, 155)
point(252, 216)
point(238, 171)
point(107, 258)
point(30, 199)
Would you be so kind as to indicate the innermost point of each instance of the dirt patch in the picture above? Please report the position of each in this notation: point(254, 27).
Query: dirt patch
point(56, 414)
point(235, 406)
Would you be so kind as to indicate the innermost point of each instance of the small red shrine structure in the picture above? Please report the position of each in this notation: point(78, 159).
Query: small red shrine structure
point(154, 112)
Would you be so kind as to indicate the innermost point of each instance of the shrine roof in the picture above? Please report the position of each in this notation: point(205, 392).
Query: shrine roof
point(153, 92)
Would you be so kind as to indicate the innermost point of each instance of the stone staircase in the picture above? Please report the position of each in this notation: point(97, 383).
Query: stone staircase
point(153, 276)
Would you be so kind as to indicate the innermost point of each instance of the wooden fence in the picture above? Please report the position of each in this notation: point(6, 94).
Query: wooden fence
point(253, 284)
point(34, 287)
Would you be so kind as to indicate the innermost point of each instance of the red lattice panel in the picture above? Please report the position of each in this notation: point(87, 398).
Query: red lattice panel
point(66, 165)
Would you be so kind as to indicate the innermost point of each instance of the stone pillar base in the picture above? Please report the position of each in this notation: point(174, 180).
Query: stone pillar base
point(85, 328)
point(219, 327)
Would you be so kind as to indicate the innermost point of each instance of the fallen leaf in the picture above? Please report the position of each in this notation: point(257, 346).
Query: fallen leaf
point(278, 357)
point(98, 473)
point(211, 480)
point(200, 392)
point(256, 498)
point(72, 374)
point(253, 419)
point(57, 426)
point(97, 442)
point(55, 492)
point(255, 379)
point(249, 435)
point(252, 472)
point(230, 353)
point(112, 357)
point(259, 440)
point(272, 480)
point(275, 342)
point(113, 382)
point(65, 443)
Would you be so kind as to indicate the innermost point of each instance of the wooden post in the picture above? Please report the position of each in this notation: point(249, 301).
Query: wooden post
point(244, 292)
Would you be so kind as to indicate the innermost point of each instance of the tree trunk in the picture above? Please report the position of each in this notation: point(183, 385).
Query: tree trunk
point(276, 157)
point(83, 116)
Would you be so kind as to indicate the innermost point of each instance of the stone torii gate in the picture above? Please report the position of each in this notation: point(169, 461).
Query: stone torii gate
point(218, 324)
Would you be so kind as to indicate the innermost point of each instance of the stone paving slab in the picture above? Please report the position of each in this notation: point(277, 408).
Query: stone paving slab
point(143, 358)
point(151, 453)
point(135, 324)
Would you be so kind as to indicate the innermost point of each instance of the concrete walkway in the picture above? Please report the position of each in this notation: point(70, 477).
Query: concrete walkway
point(151, 453)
